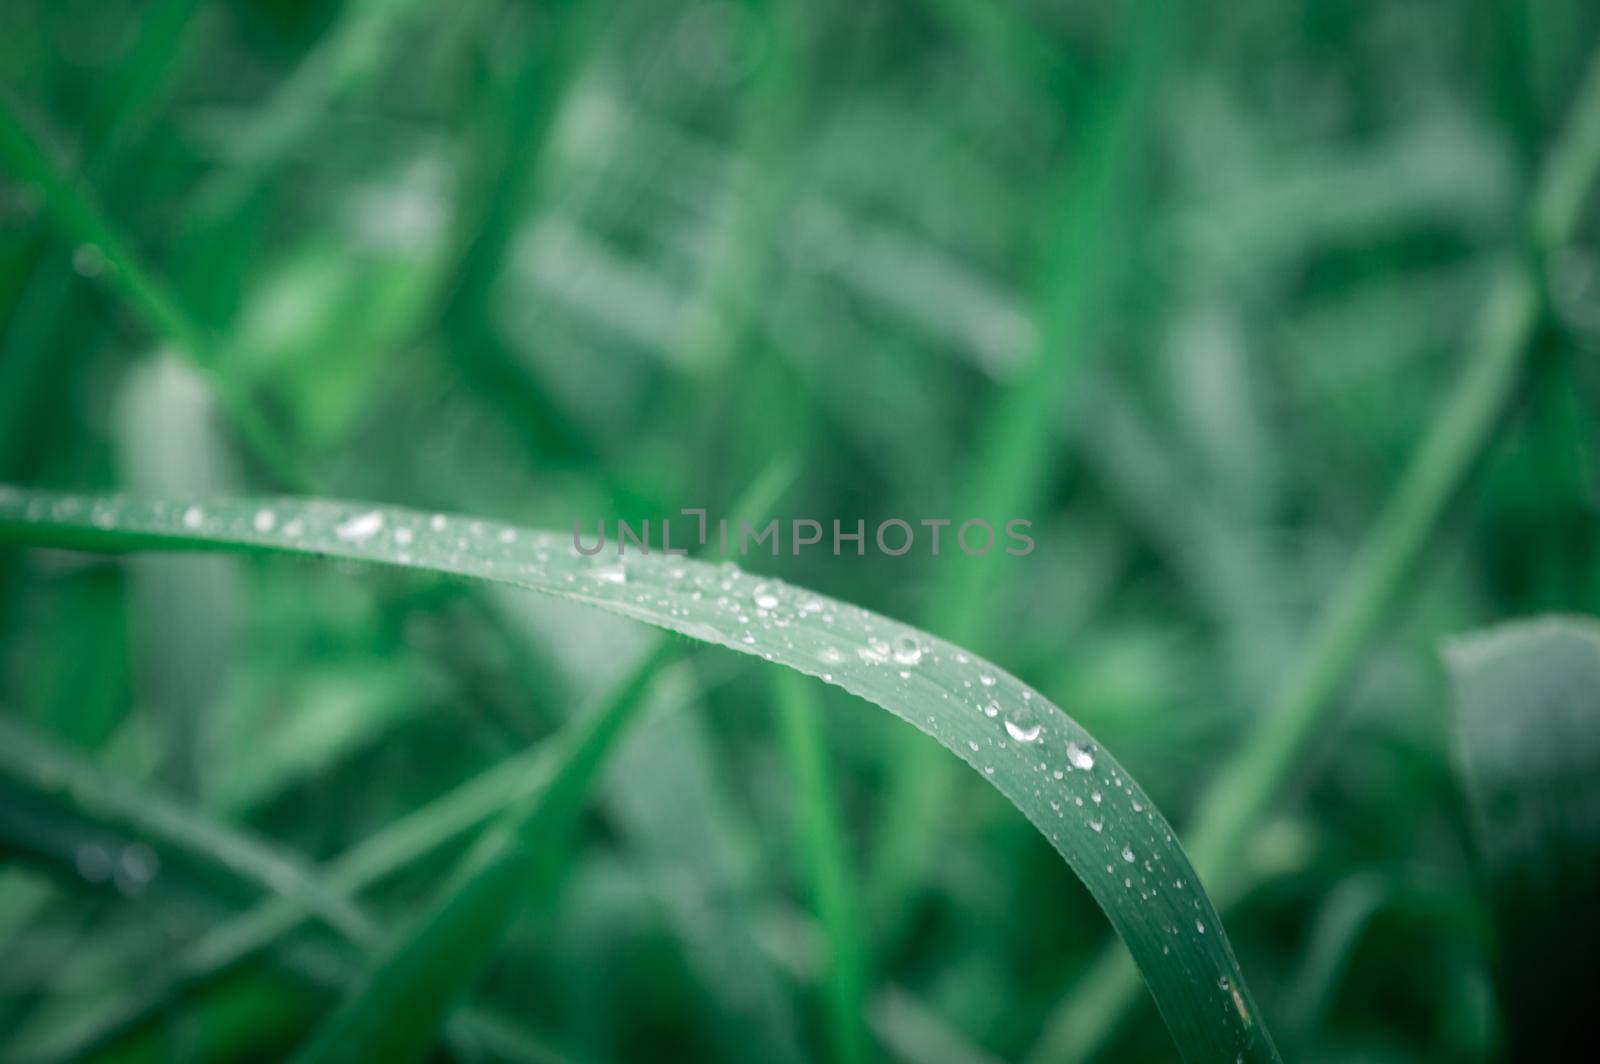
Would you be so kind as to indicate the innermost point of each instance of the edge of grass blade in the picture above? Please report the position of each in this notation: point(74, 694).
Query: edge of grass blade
point(1046, 765)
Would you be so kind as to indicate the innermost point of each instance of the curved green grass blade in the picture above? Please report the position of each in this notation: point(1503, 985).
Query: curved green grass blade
point(1052, 770)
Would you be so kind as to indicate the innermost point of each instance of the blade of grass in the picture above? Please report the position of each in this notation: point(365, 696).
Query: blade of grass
point(350, 55)
point(669, 798)
point(81, 221)
point(827, 863)
point(65, 811)
point(1243, 792)
point(1069, 787)
point(1527, 736)
point(395, 1014)
point(515, 781)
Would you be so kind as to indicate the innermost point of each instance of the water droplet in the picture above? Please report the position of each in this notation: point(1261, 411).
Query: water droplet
point(610, 574)
point(193, 517)
point(907, 650)
point(138, 866)
point(992, 709)
point(437, 522)
point(1079, 757)
point(830, 655)
point(764, 597)
point(1095, 797)
point(403, 536)
point(875, 652)
point(986, 679)
point(1097, 826)
point(93, 862)
point(1200, 927)
point(88, 260)
point(1127, 854)
point(265, 520)
point(508, 535)
point(361, 527)
point(1022, 733)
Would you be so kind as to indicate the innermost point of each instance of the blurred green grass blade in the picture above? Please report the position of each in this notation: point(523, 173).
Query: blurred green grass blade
point(1527, 731)
point(1242, 792)
point(1014, 450)
point(1072, 790)
point(350, 55)
point(82, 222)
point(64, 812)
point(243, 937)
point(395, 1014)
point(668, 794)
point(826, 861)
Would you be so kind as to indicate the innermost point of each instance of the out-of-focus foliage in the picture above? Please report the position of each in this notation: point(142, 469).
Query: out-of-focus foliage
point(549, 261)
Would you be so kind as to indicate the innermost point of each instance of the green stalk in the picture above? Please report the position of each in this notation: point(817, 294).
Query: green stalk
point(1244, 792)
point(82, 222)
point(395, 1013)
point(826, 862)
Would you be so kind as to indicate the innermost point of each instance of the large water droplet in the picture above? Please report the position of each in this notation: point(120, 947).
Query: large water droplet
point(1079, 757)
point(1023, 733)
point(361, 527)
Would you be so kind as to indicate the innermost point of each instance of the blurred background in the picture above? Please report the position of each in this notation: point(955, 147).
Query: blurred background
point(1185, 285)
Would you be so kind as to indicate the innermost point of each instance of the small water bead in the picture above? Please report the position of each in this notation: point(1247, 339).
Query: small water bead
point(973, 745)
point(1200, 926)
point(1127, 854)
point(986, 679)
point(830, 655)
point(403, 536)
point(137, 867)
point(1095, 797)
point(361, 527)
point(1023, 733)
point(1097, 826)
point(1079, 757)
point(992, 709)
point(764, 597)
point(508, 535)
point(610, 574)
point(193, 517)
point(437, 522)
point(876, 652)
point(265, 521)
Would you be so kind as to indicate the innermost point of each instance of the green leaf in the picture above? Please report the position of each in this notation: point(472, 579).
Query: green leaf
point(1528, 735)
point(62, 812)
point(394, 1014)
point(1071, 789)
